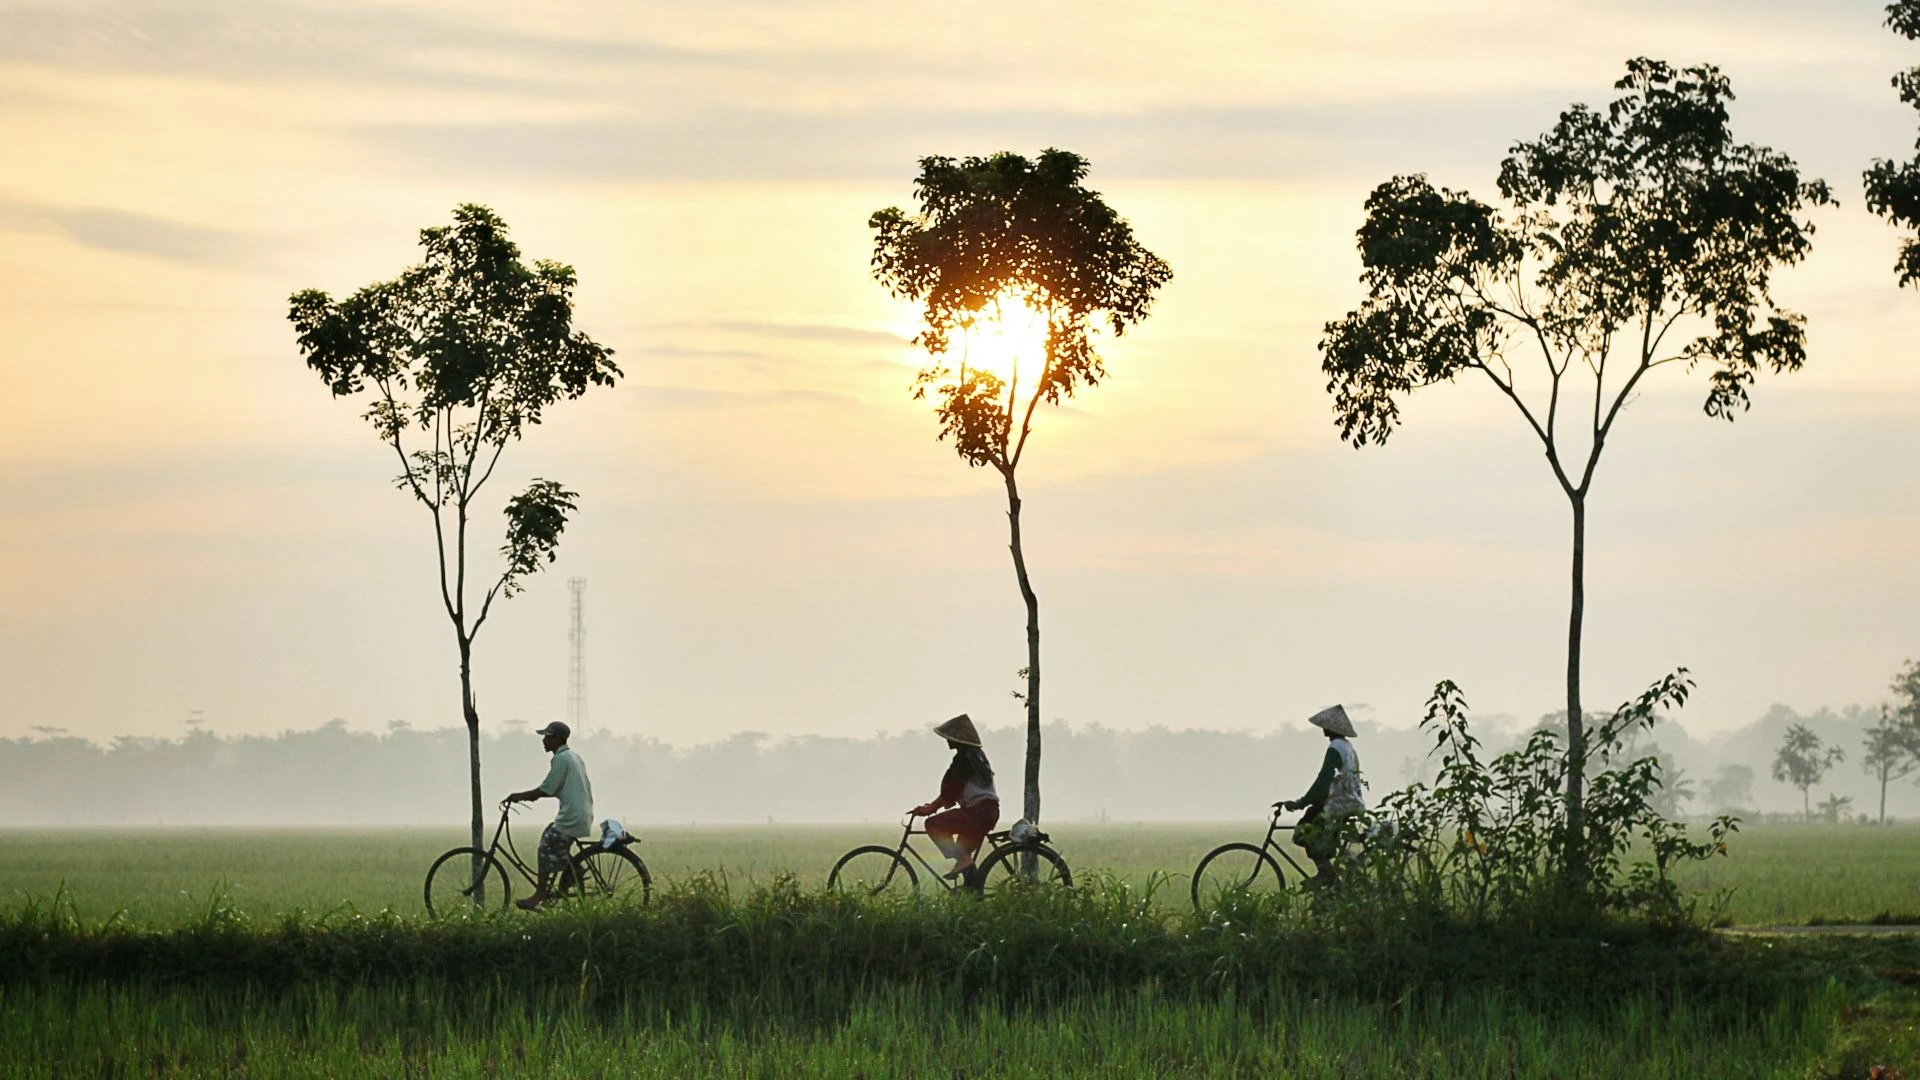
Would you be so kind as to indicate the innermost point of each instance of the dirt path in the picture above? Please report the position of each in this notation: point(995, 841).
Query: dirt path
point(1860, 930)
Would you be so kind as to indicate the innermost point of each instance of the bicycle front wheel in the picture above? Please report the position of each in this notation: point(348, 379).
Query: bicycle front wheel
point(1232, 870)
point(605, 875)
point(1026, 866)
point(468, 880)
point(873, 871)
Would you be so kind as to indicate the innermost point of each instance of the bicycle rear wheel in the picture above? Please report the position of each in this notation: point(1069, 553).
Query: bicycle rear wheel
point(1235, 870)
point(873, 871)
point(457, 884)
point(608, 875)
point(1006, 868)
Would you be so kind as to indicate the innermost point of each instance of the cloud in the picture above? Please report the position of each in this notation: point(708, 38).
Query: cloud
point(851, 335)
point(127, 232)
point(269, 41)
point(1243, 143)
point(695, 397)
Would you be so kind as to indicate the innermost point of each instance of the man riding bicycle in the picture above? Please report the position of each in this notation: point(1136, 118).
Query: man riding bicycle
point(567, 781)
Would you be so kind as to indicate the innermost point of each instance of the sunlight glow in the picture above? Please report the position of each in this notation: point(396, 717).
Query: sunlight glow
point(1008, 339)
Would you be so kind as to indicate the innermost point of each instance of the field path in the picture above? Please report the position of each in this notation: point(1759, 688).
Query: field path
point(1843, 930)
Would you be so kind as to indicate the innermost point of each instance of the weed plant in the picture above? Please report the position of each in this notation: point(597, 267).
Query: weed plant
point(1489, 842)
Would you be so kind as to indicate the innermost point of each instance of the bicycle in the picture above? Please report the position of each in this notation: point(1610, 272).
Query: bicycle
point(875, 870)
point(477, 879)
point(1237, 867)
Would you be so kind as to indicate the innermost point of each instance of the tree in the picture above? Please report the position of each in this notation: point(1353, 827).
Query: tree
point(1802, 760)
point(993, 237)
point(1632, 239)
point(459, 355)
point(1893, 745)
point(1731, 788)
point(1893, 188)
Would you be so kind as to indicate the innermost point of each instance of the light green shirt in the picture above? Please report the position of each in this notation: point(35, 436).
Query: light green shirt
point(567, 781)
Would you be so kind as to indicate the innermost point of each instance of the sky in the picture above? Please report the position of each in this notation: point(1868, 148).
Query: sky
point(195, 532)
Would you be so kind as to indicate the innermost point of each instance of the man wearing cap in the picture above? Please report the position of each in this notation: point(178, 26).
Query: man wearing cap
point(567, 781)
point(1334, 796)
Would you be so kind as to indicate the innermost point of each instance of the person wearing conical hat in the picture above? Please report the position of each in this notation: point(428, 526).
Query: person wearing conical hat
point(1334, 796)
point(968, 788)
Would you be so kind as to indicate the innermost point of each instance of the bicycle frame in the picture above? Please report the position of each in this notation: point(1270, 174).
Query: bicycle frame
point(1275, 848)
point(513, 859)
point(994, 842)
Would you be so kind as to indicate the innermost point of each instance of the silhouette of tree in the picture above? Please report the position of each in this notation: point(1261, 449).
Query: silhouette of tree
point(1802, 760)
point(459, 356)
point(1893, 745)
point(991, 232)
point(1731, 788)
point(1893, 188)
point(1633, 238)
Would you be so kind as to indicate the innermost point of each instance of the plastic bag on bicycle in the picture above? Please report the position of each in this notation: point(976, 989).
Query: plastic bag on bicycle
point(613, 834)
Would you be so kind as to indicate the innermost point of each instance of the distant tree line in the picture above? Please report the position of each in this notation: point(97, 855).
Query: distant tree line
point(337, 775)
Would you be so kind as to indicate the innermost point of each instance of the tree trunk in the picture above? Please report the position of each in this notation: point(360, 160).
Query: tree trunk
point(1883, 798)
point(471, 713)
point(1576, 720)
point(1031, 803)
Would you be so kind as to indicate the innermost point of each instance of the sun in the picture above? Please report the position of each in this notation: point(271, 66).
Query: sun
point(1008, 339)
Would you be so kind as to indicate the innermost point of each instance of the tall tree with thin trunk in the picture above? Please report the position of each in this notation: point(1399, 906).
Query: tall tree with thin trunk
point(1893, 745)
point(1893, 187)
point(457, 357)
point(996, 240)
point(1632, 239)
point(1802, 760)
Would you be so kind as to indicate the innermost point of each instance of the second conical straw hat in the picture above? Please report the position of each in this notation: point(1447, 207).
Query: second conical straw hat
point(1333, 718)
point(960, 729)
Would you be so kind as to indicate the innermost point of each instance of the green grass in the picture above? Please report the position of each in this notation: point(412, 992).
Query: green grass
point(1778, 874)
point(387, 1031)
point(1794, 874)
point(717, 979)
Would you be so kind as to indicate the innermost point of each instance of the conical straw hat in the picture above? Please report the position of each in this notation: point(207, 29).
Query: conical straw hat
point(1333, 718)
point(959, 729)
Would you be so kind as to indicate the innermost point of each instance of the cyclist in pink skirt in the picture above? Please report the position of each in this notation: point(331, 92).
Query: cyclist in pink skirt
point(968, 787)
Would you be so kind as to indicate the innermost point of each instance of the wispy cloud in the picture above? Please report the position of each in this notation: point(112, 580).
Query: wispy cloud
point(693, 397)
point(127, 232)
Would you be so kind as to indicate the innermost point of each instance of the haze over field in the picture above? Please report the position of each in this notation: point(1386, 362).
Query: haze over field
point(773, 539)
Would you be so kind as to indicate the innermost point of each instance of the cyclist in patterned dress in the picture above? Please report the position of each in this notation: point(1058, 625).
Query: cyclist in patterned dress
point(968, 788)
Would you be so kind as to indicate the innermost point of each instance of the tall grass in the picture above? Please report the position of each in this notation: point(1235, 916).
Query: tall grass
point(702, 942)
point(498, 1030)
point(781, 980)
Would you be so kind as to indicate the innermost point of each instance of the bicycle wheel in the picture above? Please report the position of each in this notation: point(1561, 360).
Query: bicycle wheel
point(455, 884)
point(873, 871)
point(604, 875)
point(1235, 870)
point(1006, 868)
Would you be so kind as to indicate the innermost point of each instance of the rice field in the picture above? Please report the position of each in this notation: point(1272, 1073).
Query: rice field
point(1776, 875)
point(265, 953)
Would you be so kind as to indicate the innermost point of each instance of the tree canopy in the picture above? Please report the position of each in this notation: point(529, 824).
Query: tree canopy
point(1000, 229)
point(1619, 226)
point(1893, 188)
point(463, 352)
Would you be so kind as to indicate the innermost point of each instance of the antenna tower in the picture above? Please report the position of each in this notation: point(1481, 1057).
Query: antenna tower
point(577, 657)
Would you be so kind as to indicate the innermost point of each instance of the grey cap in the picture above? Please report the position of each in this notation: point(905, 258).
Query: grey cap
point(556, 728)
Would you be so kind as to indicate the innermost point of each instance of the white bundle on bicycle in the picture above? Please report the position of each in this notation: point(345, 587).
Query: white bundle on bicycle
point(612, 833)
